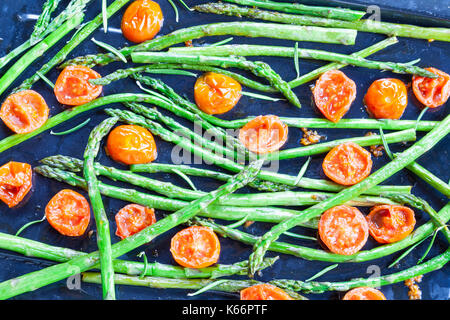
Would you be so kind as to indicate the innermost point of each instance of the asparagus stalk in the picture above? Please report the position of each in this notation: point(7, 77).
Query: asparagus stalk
point(326, 12)
point(287, 198)
point(9, 76)
point(167, 283)
point(290, 285)
point(101, 219)
point(303, 252)
point(38, 279)
point(401, 161)
point(278, 51)
point(430, 178)
point(42, 22)
point(79, 37)
point(258, 68)
point(263, 214)
point(241, 28)
point(318, 287)
point(41, 250)
point(75, 7)
point(391, 29)
point(227, 164)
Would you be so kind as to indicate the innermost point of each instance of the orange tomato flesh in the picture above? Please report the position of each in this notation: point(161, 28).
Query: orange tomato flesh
point(15, 182)
point(333, 94)
point(131, 144)
point(386, 99)
point(195, 247)
point(347, 164)
point(73, 87)
point(264, 134)
point(364, 293)
point(431, 92)
point(133, 218)
point(264, 291)
point(142, 21)
point(343, 229)
point(216, 93)
point(390, 223)
point(69, 213)
point(24, 111)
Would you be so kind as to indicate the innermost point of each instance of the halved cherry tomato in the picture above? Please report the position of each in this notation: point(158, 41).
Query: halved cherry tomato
point(386, 98)
point(333, 94)
point(142, 21)
point(390, 223)
point(264, 291)
point(69, 213)
point(24, 111)
point(131, 144)
point(73, 87)
point(264, 134)
point(364, 293)
point(216, 93)
point(343, 229)
point(195, 247)
point(347, 164)
point(133, 218)
point(15, 182)
point(432, 92)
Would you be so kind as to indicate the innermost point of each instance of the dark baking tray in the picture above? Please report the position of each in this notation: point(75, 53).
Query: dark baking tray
point(16, 27)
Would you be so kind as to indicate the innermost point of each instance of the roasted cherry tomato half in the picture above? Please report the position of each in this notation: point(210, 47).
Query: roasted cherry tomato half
point(386, 99)
point(131, 144)
point(216, 93)
point(133, 218)
point(142, 21)
point(390, 223)
point(264, 134)
point(24, 111)
point(347, 164)
point(73, 87)
point(333, 94)
point(264, 291)
point(195, 247)
point(364, 293)
point(343, 229)
point(69, 213)
point(15, 182)
point(432, 92)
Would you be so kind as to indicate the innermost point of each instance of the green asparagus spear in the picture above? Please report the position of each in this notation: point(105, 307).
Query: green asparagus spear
point(74, 8)
point(318, 287)
point(258, 68)
point(31, 248)
point(101, 219)
point(241, 28)
point(42, 22)
point(326, 12)
point(278, 51)
point(401, 161)
point(391, 29)
point(9, 76)
point(79, 37)
point(421, 233)
point(225, 163)
point(34, 280)
point(287, 198)
point(429, 178)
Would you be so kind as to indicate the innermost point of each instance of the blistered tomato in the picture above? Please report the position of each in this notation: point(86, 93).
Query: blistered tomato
point(15, 182)
point(216, 93)
point(133, 218)
point(24, 111)
point(364, 293)
point(131, 144)
point(142, 21)
point(73, 87)
point(386, 99)
point(264, 291)
point(432, 92)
